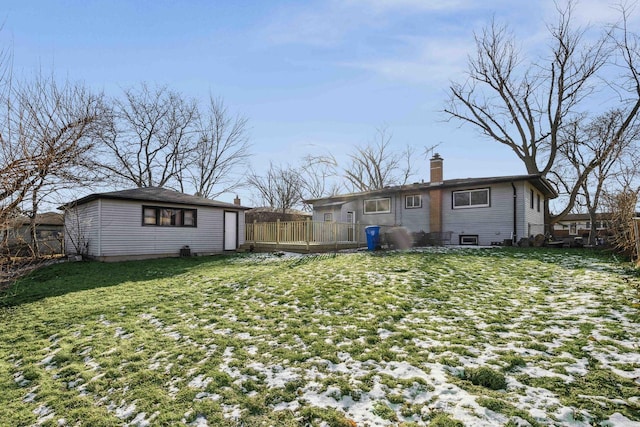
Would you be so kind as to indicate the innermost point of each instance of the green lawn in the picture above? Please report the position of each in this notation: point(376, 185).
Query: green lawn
point(440, 337)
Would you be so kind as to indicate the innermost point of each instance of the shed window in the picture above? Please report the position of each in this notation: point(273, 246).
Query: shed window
point(471, 198)
point(328, 217)
point(377, 205)
point(169, 217)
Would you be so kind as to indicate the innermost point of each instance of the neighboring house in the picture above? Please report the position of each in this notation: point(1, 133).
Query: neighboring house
point(471, 211)
point(151, 223)
point(579, 225)
point(17, 236)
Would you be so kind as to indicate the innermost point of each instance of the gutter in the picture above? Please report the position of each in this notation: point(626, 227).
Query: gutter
point(514, 233)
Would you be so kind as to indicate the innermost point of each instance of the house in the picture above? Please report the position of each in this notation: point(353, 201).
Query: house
point(470, 211)
point(579, 225)
point(151, 223)
point(16, 236)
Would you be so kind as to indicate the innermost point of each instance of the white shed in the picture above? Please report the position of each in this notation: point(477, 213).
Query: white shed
point(150, 222)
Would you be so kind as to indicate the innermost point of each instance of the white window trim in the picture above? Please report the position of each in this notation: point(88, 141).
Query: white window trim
point(413, 197)
point(364, 208)
point(486, 205)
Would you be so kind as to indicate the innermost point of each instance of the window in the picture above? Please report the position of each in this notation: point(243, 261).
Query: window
point(328, 217)
point(414, 201)
point(471, 198)
point(469, 240)
point(168, 217)
point(377, 206)
point(531, 199)
point(538, 202)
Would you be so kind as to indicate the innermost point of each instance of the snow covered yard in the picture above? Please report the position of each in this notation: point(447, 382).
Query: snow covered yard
point(476, 337)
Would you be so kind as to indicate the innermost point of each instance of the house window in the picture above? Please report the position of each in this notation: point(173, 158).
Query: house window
point(328, 217)
point(538, 202)
point(471, 198)
point(531, 199)
point(377, 205)
point(414, 201)
point(169, 217)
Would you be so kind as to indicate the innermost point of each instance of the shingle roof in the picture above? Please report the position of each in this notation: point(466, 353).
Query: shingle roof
point(154, 194)
point(536, 180)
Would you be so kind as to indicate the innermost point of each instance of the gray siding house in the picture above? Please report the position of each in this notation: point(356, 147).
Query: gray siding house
point(150, 223)
point(471, 211)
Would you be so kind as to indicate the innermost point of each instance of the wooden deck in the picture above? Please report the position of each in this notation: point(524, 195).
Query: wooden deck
point(303, 236)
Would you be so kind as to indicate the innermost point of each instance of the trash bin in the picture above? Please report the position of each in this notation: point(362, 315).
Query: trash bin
point(373, 236)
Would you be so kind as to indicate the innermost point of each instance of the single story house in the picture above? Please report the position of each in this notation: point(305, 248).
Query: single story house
point(470, 211)
point(151, 222)
point(16, 235)
point(579, 225)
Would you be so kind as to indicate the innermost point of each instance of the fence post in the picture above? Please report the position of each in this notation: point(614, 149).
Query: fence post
point(277, 233)
point(335, 233)
point(255, 231)
point(307, 232)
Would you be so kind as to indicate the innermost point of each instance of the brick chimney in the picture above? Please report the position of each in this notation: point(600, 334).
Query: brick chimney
point(436, 168)
point(236, 201)
point(435, 195)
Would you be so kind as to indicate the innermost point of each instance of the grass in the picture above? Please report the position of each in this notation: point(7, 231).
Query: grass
point(456, 337)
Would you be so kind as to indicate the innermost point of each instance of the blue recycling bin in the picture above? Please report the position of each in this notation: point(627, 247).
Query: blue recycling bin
point(373, 236)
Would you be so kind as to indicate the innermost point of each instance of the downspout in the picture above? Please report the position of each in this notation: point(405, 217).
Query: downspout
point(514, 233)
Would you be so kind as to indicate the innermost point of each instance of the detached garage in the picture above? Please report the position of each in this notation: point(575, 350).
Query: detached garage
point(150, 223)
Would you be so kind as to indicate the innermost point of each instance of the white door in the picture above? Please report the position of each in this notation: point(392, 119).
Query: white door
point(230, 231)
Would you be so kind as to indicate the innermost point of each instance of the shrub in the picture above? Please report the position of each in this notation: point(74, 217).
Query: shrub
point(485, 377)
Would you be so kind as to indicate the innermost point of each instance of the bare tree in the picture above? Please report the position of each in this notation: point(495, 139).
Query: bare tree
point(319, 175)
point(150, 136)
point(220, 154)
point(599, 147)
point(48, 131)
point(376, 166)
point(280, 188)
point(524, 105)
point(623, 205)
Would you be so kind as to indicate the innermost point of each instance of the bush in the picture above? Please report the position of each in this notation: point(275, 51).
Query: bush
point(485, 377)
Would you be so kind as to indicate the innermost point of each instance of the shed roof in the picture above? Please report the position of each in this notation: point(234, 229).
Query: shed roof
point(154, 194)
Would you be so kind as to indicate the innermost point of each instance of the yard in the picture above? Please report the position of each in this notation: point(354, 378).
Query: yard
point(477, 337)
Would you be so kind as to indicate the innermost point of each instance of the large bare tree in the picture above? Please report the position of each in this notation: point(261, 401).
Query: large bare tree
point(151, 136)
point(48, 131)
point(524, 104)
point(220, 154)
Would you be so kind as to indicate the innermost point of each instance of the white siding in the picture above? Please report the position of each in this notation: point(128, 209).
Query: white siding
point(491, 224)
point(123, 232)
point(532, 220)
point(81, 229)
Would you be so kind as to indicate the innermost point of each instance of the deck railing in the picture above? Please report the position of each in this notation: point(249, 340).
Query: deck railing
point(304, 232)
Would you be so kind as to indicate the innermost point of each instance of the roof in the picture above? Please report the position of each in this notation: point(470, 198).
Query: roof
point(154, 194)
point(47, 218)
point(585, 217)
point(536, 180)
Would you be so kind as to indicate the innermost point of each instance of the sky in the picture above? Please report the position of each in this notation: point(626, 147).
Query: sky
point(310, 76)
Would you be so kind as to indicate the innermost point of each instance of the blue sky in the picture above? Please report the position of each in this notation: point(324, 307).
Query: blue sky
point(309, 75)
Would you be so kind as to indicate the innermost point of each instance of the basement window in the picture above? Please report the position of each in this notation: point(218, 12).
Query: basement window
point(471, 199)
